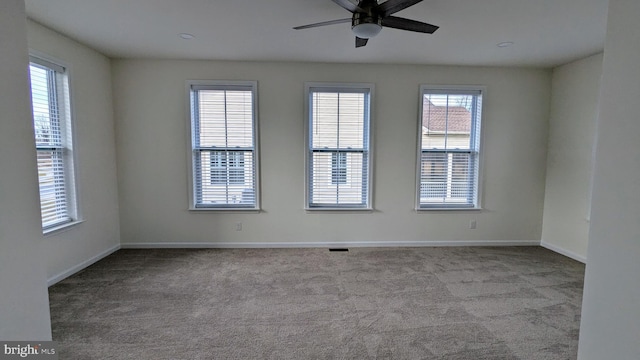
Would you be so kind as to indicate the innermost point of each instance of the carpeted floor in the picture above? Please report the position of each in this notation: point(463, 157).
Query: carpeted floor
point(384, 303)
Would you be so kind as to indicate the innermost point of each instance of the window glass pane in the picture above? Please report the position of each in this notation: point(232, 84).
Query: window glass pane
point(45, 107)
point(226, 178)
point(226, 118)
point(338, 187)
point(338, 120)
point(53, 194)
point(218, 167)
point(212, 118)
point(351, 125)
point(239, 119)
point(434, 176)
point(338, 168)
point(324, 124)
point(446, 121)
point(324, 191)
point(235, 162)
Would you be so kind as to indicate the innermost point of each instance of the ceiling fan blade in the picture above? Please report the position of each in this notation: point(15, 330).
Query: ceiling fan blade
point(393, 6)
point(407, 24)
point(324, 23)
point(360, 42)
point(348, 5)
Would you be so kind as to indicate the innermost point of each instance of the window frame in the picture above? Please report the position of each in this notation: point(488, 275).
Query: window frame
point(222, 85)
point(64, 100)
point(367, 88)
point(476, 147)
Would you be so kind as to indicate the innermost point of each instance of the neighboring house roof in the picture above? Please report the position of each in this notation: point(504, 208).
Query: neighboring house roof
point(453, 119)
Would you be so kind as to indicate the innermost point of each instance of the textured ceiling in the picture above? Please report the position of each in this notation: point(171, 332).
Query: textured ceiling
point(545, 33)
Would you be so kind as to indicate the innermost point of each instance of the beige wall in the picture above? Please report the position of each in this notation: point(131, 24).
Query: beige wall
point(610, 325)
point(92, 108)
point(24, 304)
point(152, 145)
point(574, 108)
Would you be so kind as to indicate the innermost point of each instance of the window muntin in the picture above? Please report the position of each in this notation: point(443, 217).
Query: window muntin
point(53, 139)
point(224, 143)
point(338, 154)
point(449, 148)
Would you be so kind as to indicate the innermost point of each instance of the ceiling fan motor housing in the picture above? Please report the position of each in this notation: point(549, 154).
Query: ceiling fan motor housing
point(364, 18)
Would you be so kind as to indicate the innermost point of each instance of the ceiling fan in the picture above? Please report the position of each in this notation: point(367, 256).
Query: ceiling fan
point(369, 17)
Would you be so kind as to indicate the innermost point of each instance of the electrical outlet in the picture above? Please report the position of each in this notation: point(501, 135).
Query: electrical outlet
point(238, 226)
point(473, 224)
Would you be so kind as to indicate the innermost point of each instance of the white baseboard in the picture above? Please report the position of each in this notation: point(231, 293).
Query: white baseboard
point(65, 274)
point(231, 245)
point(565, 252)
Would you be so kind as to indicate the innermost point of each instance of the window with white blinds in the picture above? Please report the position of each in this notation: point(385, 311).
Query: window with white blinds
point(338, 146)
point(223, 145)
point(53, 136)
point(449, 148)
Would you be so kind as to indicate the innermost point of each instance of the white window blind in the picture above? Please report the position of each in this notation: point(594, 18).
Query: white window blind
point(53, 136)
point(449, 148)
point(223, 139)
point(338, 156)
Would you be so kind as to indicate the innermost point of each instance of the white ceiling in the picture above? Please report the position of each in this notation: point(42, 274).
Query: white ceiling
point(545, 32)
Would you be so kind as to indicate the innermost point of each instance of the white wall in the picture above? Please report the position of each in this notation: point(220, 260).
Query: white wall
point(610, 325)
point(152, 146)
point(574, 108)
point(92, 108)
point(24, 303)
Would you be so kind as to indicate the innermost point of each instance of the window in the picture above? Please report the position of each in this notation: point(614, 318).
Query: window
point(449, 148)
point(223, 145)
point(338, 152)
point(54, 146)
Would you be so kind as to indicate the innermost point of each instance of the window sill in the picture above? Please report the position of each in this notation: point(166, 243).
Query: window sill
point(229, 210)
point(448, 209)
point(61, 228)
point(339, 210)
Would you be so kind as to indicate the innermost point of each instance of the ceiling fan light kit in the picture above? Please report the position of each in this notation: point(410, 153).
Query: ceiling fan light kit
point(368, 18)
point(366, 27)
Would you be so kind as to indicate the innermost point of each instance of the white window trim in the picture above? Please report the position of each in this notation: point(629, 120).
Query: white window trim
point(332, 86)
point(256, 134)
point(74, 198)
point(450, 89)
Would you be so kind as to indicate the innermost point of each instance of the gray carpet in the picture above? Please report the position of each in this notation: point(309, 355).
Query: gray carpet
point(385, 303)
